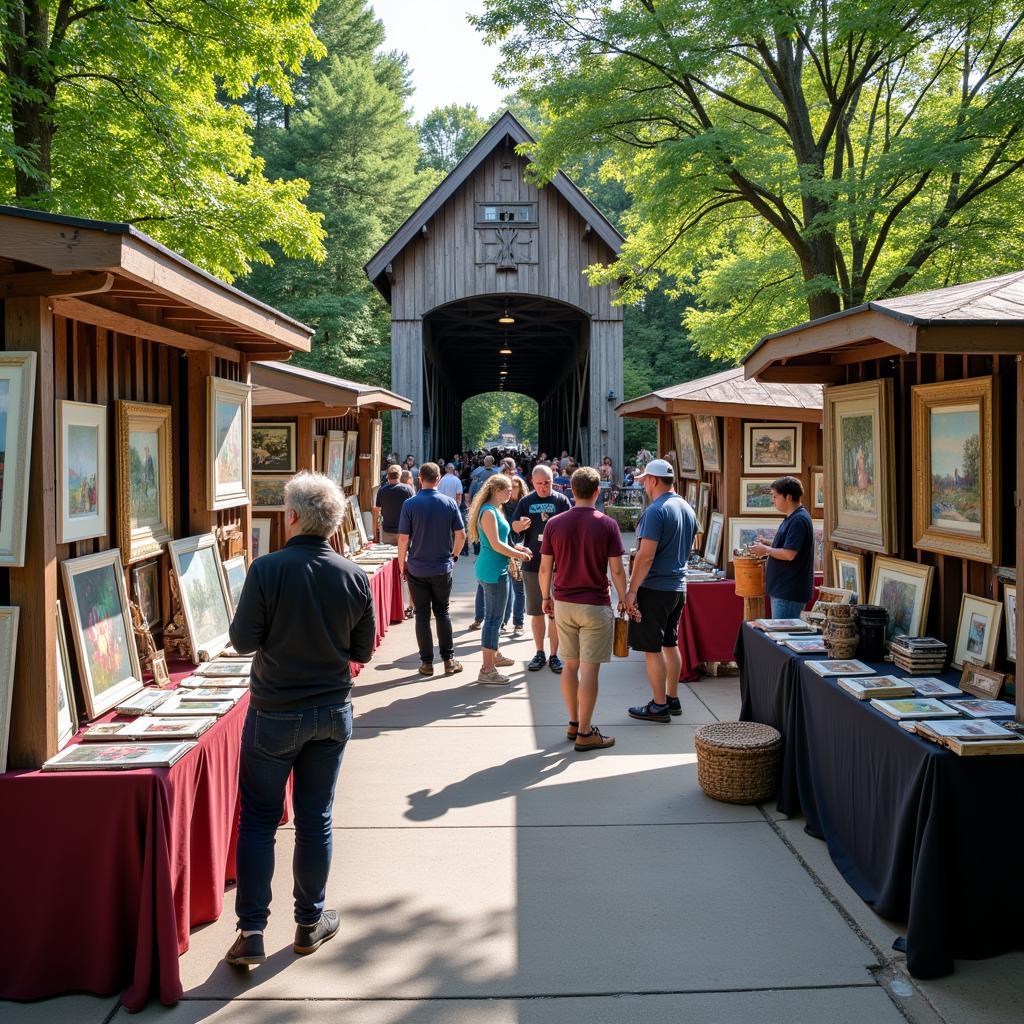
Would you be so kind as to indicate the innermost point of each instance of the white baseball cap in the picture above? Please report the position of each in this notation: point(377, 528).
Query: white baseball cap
point(657, 467)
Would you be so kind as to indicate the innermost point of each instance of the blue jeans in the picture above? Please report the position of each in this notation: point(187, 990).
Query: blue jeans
point(783, 609)
point(478, 603)
point(310, 744)
point(495, 599)
point(515, 609)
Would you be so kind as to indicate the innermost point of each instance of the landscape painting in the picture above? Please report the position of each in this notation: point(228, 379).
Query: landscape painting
point(228, 442)
point(83, 470)
point(977, 635)
point(771, 447)
point(956, 468)
point(351, 446)
point(335, 468)
point(756, 495)
point(268, 492)
point(707, 434)
point(145, 510)
point(273, 447)
point(903, 589)
point(202, 591)
point(857, 465)
point(144, 477)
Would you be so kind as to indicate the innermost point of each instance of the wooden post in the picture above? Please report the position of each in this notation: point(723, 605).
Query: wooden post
point(732, 470)
point(200, 518)
point(304, 456)
point(33, 587)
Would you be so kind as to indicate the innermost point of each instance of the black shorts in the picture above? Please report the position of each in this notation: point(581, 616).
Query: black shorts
point(659, 619)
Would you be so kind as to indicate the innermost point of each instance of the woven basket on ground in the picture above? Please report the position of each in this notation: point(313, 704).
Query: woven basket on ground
point(737, 762)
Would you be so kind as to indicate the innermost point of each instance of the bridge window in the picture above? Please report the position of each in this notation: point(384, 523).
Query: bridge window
point(495, 214)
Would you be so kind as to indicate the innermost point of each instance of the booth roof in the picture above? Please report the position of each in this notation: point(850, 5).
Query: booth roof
point(980, 316)
point(277, 385)
point(728, 394)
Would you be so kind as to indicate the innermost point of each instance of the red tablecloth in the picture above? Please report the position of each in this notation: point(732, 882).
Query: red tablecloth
point(711, 622)
point(104, 873)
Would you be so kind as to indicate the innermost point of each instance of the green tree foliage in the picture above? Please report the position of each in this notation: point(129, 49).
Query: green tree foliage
point(784, 159)
point(113, 109)
point(350, 137)
point(447, 134)
point(486, 417)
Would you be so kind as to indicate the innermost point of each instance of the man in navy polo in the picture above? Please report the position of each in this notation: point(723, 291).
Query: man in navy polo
point(430, 535)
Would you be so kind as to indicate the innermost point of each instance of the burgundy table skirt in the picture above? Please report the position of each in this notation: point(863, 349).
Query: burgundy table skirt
point(711, 622)
point(105, 873)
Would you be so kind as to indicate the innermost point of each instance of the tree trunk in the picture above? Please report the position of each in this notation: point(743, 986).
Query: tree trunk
point(33, 135)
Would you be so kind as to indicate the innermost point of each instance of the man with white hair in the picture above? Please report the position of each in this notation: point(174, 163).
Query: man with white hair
point(307, 614)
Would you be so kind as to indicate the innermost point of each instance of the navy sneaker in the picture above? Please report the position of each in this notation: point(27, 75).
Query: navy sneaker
point(650, 712)
point(675, 709)
point(540, 659)
point(555, 664)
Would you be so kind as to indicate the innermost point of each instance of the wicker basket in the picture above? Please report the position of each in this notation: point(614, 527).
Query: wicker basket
point(737, 762)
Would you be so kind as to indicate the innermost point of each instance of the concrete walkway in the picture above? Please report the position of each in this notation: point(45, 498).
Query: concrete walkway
point(487, 874)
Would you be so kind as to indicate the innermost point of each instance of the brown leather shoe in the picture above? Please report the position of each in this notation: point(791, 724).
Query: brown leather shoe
point(573, 731)
point(451, 666)
point(426, 668)
point(309, 938)
point(593, 740)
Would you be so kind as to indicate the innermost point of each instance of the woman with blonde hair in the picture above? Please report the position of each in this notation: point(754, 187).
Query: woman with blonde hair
point(489, 528)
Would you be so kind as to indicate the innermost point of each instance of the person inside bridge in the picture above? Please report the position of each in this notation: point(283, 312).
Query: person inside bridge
point(430, 536)
point(307, 614)
point(532, 514)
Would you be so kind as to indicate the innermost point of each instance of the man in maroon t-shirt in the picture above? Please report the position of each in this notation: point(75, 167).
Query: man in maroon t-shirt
point(585, 544)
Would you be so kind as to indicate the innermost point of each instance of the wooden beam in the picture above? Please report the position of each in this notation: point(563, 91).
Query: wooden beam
point(47, 283)
point(865, 353)
point(59, 246)
point(76, 309)
point(971, 339)
point(33, 586)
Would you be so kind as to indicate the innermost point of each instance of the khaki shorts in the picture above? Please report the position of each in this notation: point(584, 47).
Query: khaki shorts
point(531, 587)
point(585, 631)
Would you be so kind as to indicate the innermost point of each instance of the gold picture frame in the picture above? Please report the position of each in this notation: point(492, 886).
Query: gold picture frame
point(860, 491)
point(687, 449)
point(848, 572)
point(707, 439)
point(893, 581)
point(956, 471)
point(228, 443)
point(984, 683)
point(977, 631)
point(145, 520)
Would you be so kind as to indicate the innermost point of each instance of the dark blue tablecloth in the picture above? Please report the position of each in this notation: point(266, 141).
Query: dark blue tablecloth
point(922, 835)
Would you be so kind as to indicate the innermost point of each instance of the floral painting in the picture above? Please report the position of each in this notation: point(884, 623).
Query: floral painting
point(104, 633)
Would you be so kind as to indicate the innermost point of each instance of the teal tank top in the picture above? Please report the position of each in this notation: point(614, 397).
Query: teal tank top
point(490, 566)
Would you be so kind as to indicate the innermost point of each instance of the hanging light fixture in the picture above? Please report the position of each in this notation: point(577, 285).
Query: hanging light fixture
point(506, 318)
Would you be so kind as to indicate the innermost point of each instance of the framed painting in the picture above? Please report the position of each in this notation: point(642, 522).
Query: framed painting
point(687, 453)
point(357, 517)
point(101, 624)
point(713, 537)
point(772, 448)
point(234, 575)
point(145, 504)
point(977, 634)
point(335, 456)
point(273, 447)
point(817, 487)
point(981, 682)
point(743, 532)
point(146, 583)
point(670, 458)
point(819, 545)
point(376, 446)
point(351, 446)
point(710, 449)
point(956, 468)
point(703, 505)
point(904, 590)
point(17, 402)
point(268, 493)
point(1010, 612)
point(205, 600)
point(691, 494)
point(756, 496)
point(859, 463)
point(260, 542)
point(848, 572)
point(228, 442)
point(67, 715)
point(82, 485)
point(8, 653)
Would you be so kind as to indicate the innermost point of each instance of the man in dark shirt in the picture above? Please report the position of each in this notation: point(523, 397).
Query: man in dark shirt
point(388, 506)
point(533, 512)
point(307, 613)
point(789, 575)
point(430, 536)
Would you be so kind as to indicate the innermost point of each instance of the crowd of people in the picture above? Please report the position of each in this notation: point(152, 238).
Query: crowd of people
point(306, 613)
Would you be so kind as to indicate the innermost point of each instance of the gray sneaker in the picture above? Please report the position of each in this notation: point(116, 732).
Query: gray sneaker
point(491, 677)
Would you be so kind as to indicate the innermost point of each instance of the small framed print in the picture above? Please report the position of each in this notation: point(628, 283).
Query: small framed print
point(82, 486)
point(756, 496)
point(234, 573)
point(687, 452)
point(260, 543)
point(334, 467)
point(848, 572)
point(145, 503)
point(161, 676)
point(703, 504)
point(713, 537)
point(981, 682)
point(1010, 611)
point(817, 487)
point(268, 493)
point(691, 494)
point(772, 448)
point(351, 446)
point(977, 634)
point(707, 436)
point(228, 442)
point(273, 447)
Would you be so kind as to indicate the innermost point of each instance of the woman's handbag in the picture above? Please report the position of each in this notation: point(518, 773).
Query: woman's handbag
point(621, 642)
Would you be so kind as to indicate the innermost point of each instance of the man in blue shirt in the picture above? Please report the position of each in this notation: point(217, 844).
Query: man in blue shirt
point(657, 589)
point(789, 574)
point(430, 535)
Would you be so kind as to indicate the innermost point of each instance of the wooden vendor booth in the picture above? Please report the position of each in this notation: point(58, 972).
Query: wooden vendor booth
point(729, 437)
point(124, 540)
point(909, 768)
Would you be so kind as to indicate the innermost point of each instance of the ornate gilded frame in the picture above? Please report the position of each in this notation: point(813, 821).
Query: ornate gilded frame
point(141, 542)
point(927, 536)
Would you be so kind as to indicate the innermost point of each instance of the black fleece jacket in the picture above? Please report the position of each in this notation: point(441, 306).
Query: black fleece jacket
point(307, 613)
